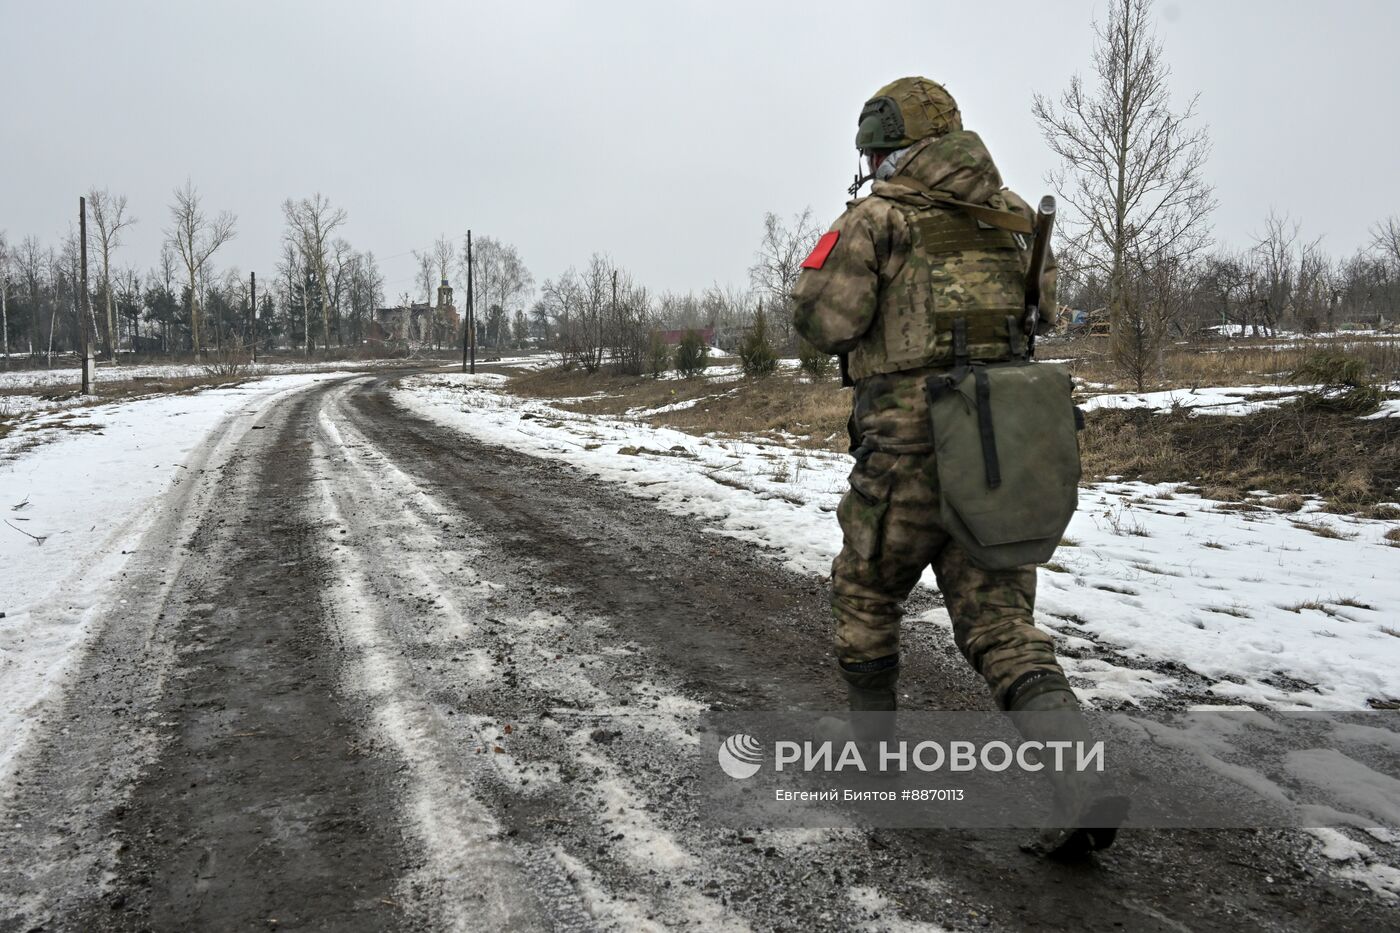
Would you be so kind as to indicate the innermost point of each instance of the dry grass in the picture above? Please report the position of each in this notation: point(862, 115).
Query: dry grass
point(784, 407)
point(1329, 606)
point(1259, 361)
point(1289, 503)
point(1325, 531)
point(1352, 463)
point(1392, 537)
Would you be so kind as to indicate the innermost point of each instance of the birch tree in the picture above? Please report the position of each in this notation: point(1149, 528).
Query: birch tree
point(195, 238)
point(311, 222)
point(110, 218)
point(500, 283)
point(32, 263)
point(5, 295)
point(1131, 166)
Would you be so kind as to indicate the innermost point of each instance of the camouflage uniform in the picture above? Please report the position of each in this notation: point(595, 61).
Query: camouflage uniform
point(904, 265)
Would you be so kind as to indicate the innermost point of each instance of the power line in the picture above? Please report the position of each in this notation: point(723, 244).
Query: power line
point(412, 251)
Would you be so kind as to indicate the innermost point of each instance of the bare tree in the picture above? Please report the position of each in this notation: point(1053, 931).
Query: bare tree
point(166, 273)
point(292, 267)
point(1131, 166)
point(501, 282)
point(442, 261)
point(779, 261)
point(32, 265)
point(1313, 297)
point(311, 222)
point(342, 261)
point(1276, 267)
point(109, 216)
point(442, 258)
point(366, 291)
point(574, 304)
point(427, 268)
point(1385, 241)
point(196, 238)
point(127, 301)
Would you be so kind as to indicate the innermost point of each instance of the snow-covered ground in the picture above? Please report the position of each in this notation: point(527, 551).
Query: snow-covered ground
point(71, 508)
point(1224, 400)
point(1256, 330)
point(1232, 400)
point(40, 378)
point(1267, 609)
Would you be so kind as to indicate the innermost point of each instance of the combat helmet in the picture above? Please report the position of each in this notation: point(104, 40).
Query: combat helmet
point(904, 112)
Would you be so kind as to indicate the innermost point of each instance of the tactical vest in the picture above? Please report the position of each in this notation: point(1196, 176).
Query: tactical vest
point(960, 296)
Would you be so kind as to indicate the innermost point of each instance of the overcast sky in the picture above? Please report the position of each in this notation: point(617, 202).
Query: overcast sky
point(658, 132)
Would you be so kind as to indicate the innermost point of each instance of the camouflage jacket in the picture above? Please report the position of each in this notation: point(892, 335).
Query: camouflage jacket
point(879, 299)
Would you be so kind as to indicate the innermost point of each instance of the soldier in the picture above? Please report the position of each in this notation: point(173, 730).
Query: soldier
point(927, 271)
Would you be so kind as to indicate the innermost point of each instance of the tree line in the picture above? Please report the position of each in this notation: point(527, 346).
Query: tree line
point(323, 293)
point(600, 315)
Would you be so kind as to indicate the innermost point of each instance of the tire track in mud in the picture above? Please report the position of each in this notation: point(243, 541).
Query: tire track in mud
point(263, 805)
point(101, 826)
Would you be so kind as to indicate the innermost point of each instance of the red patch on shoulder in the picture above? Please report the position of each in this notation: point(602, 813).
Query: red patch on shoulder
point(822, 250)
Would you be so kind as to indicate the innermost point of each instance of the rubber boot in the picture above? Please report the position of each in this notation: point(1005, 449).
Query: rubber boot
point(871, 696)
point(1081, 821)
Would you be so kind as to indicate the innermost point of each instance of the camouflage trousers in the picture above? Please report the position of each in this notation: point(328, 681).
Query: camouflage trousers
point(889, 523)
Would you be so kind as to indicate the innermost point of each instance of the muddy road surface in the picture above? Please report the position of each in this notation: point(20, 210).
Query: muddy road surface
point(359, 675)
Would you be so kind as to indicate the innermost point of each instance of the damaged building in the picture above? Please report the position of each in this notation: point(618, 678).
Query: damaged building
point(418, 324)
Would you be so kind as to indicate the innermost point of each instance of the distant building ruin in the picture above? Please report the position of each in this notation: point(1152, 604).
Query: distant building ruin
point(418, 324)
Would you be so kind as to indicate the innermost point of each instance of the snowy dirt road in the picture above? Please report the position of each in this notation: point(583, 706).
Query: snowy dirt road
point(366, 680)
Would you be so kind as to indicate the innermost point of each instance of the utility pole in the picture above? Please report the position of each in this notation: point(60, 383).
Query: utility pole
point(306, 316)
point(83, 297)
point(469, 332)
point(253, 300)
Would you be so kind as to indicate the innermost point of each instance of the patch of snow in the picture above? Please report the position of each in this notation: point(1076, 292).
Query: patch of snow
point(1390, 408)
point(1358, 863)
point(1210, 401)
point(880, 913)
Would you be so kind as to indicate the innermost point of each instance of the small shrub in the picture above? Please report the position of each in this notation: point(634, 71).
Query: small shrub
point(814, 362)
point(756, 352)
point(230, 361)
point(692, 356)
point(658, 356)
point(1345, 384)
